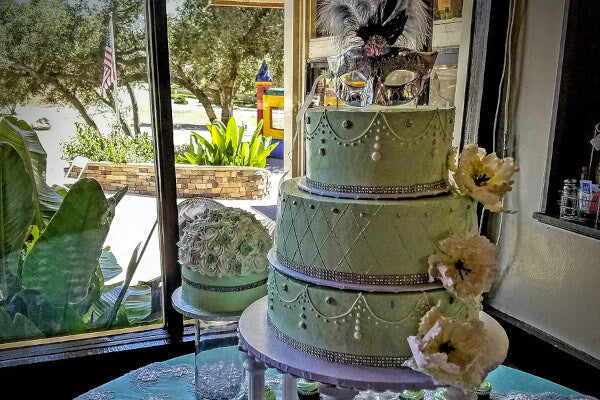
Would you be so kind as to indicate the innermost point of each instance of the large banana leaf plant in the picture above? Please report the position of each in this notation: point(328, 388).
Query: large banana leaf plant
point(227, 148)
point(26, 142)
point(52, 274)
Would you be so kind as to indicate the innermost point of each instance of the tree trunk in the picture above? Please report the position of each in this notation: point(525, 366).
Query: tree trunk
point(71, 98)
point(109, 101)
point(134, 109)
point(227, 92)
point(226, 104)
point(205, 101)
point(125, 126)
point(187, 83)
point(78, 105)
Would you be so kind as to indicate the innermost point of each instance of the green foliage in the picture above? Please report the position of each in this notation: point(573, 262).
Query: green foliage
point(25, 141)
point(52, 277)
point(54, 49)
point(217, 51)
point(17, 328)
point(227, 148)
point(82, 222)
point(113, 147)
point(179, 98)
point(16, 212)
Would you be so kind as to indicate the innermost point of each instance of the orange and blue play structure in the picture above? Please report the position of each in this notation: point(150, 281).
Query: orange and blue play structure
point(268, 99)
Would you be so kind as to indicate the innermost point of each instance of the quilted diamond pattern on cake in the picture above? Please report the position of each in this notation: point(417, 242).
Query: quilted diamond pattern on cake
point(364, 237)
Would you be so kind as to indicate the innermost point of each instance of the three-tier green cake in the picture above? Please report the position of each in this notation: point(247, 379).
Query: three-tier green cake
point(349, 275)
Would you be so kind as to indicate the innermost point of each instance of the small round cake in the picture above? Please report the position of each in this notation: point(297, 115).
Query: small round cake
point(223, 257)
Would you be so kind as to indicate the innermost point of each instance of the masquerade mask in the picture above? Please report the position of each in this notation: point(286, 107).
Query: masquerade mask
point(393, 78)
point(379, 68)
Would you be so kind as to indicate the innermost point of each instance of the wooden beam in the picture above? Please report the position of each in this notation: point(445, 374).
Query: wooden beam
point(297, 26)
point(248, 3)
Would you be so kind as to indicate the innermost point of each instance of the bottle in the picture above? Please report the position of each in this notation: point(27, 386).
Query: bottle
point(585, 174)
point(568, 200)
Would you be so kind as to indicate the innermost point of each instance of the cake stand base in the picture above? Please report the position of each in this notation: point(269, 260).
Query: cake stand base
point(336, 381)
point(203, 329)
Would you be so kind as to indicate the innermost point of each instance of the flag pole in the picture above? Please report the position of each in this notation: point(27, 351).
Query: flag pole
point(115, 87)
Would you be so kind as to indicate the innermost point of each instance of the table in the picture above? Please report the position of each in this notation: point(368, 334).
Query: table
point(174, 380)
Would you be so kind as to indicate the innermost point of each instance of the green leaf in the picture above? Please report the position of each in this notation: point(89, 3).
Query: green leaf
point(93, 294)
point(118, 196)
point(137, 302)
point(49, 319)
point(19, 328)
point(108, 265)
point(262, 157)
point(16, 212)
point(60, 190)
point(245, 156)
point(108, 318)
point(203, 141)
point(10, 287)
point(239, 140)
point(218, 137)
point(64, 259)
point(231, 135)
point(25, 141)
point(190, 158)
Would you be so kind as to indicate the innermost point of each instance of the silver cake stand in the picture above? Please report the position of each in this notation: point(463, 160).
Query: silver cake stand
point(201, 318)
point(263, 350)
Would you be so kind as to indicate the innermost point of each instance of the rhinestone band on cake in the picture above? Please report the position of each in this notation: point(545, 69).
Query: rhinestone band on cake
point(348, 277)
point(211, 288)
point(352, 359)
point(341, 190)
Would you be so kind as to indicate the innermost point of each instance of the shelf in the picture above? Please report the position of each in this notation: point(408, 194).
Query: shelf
point(576, 227)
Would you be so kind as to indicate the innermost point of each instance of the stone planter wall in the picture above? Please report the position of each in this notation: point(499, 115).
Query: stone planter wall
point(192, 180)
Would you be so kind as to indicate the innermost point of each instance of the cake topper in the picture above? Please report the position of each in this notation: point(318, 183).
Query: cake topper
point(377, 67)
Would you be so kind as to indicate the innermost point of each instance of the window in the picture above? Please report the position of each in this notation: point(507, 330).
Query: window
point(71, 267)
point(105, 138)
point(576, 119)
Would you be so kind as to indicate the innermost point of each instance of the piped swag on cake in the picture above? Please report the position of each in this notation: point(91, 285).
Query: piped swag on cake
point(378, 260)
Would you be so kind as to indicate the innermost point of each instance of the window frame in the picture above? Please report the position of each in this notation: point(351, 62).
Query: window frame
point(572, 62)
point(172, 332)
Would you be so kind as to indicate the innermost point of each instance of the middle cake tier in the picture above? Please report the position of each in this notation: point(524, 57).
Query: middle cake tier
point(370, 242)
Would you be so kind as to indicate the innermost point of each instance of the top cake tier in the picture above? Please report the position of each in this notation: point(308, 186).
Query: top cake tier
point(377, 152)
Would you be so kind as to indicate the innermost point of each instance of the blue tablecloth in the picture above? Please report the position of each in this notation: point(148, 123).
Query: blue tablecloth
point(174, 380)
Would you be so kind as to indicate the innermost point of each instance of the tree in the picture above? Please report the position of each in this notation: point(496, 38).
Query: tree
point(216, 51)
point(55, 48)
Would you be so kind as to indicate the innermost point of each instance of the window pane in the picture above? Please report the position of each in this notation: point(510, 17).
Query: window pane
point(226, 67)
point(65, 260)
point(447, 29)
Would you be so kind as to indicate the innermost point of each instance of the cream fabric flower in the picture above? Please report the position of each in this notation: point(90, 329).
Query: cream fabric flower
point(466, 264)
point(485, 178)
point(451, 352)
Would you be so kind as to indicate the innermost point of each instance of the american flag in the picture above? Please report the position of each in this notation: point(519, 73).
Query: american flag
point(110, 65)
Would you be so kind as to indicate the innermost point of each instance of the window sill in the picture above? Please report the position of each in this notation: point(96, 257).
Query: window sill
point(110, 344)
point(579, 228)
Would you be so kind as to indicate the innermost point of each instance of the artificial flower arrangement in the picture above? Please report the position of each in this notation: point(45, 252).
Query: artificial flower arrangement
point(450, 345)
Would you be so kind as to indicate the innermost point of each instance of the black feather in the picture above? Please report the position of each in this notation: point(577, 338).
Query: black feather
point(388, 23)
point(356, 21)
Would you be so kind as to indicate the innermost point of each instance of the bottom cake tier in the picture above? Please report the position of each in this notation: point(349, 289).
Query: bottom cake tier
point(345, 326)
